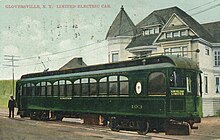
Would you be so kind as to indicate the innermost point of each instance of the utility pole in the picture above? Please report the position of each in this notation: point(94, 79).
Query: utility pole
point(12, 58)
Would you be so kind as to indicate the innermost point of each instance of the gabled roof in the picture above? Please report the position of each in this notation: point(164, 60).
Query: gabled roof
point(74, 63)
point(195, 26)
point(214, 29)
point(152, 19)
point(122, 25)
point(161, 17)
point(156, 17)
point(175, 22)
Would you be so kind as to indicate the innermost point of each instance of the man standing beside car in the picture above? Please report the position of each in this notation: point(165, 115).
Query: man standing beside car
point(11, 106)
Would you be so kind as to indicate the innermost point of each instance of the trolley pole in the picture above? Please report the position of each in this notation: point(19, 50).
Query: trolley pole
point(12, 59)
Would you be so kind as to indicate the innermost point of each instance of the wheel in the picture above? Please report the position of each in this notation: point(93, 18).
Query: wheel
point(35, 115)
point(113, 125)
point(59, 117)
point(44, 116)
point(143, 127)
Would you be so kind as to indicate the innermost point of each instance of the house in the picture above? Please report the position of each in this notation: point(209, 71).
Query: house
point(74, 63)
point(171, 31)
point(119, 36)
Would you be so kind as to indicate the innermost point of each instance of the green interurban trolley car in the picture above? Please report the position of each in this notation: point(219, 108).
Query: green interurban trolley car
point(139, 95)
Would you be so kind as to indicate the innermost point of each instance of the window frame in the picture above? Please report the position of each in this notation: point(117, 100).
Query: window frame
point(183, 51)
point(206, 84)
point(156, 30)
point(169, 35)
point(113, 56)
point(183, 33)
point(149, 86)
point(151, 31)
point(93, 84)
point(69, 84)
point(217, 84)
point(113, 80)
point(84, 84)
point(104, 82)
point(49, 89)
point(56, 84)
point(207, 51)
point(146, 32)
point(176, 34)
point(217, 58)
point(77, 82)
point(123, 79)
point(38, 89)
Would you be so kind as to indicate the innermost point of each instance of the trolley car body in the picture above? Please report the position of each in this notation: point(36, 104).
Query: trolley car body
point(136, 94)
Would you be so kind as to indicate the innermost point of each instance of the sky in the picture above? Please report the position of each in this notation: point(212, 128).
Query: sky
point(49, 33)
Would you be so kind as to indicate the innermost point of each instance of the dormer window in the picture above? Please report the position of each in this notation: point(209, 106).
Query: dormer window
point(146, 32)
point(169, 35)
point(151, 31)
point(183, 33)
point(156, 30)
point(176, 34)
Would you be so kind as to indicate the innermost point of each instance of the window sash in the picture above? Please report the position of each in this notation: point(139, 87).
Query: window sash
point(124, 88)
point(217, 84)
point(206, 84)
point(113, 88)
point(115, 57)
point(155, 80)
point(176, 34)
point(169, 35)
point(217, 58)
point(183, 33)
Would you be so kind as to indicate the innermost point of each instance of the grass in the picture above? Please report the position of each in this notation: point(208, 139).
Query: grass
point(5, 92)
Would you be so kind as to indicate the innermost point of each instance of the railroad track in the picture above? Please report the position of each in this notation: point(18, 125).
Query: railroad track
point(102, 129)
point(107, 130)
point(75, 125)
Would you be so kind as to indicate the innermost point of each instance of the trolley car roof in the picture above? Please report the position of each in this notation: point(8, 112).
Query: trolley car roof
point(100, 72)
point(156, 62)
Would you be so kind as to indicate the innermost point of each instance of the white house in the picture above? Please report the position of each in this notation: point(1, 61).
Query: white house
point(167, 31)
